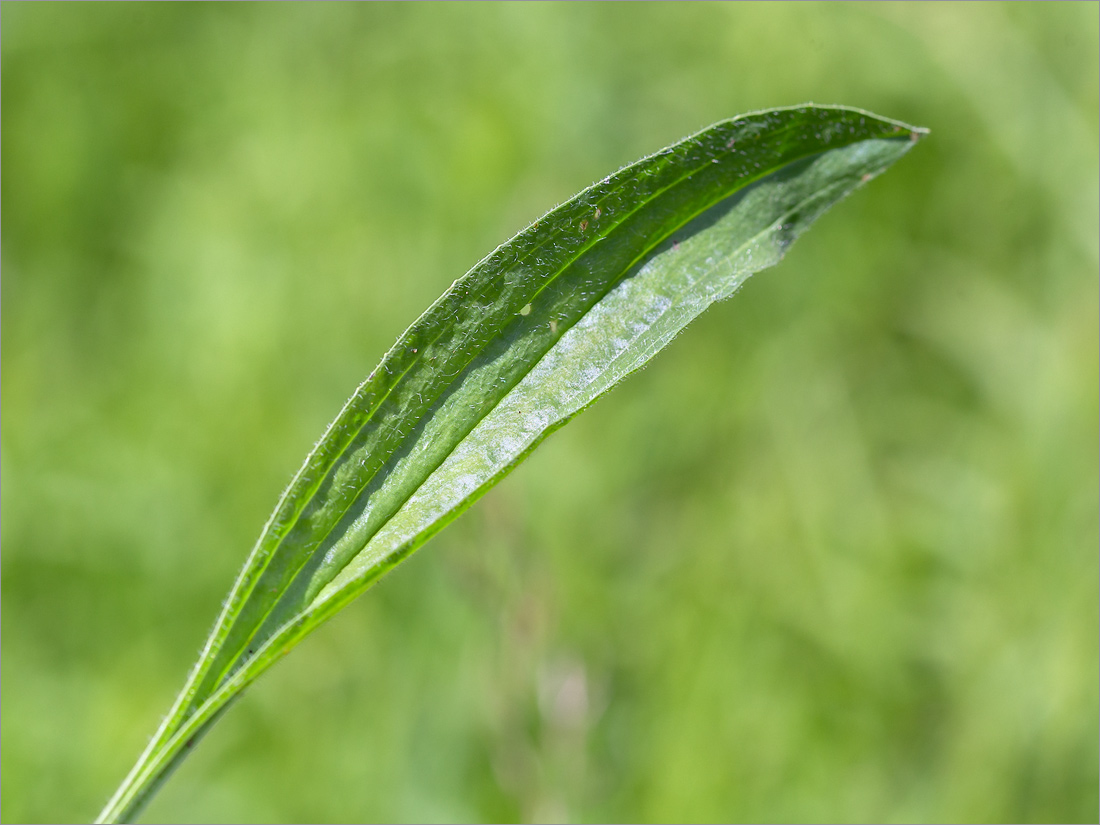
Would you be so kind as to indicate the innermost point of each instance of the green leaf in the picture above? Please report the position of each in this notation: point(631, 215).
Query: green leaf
point(532, 335)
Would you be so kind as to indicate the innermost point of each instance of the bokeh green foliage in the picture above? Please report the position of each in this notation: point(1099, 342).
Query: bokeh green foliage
point(833, 556)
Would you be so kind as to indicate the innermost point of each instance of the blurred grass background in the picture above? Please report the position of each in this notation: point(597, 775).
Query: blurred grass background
point(832, 556)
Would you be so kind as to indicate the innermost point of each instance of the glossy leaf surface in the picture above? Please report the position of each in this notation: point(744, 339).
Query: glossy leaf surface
point(533, 334)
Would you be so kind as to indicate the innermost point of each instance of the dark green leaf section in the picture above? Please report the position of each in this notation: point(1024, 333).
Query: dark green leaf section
point(530, 336)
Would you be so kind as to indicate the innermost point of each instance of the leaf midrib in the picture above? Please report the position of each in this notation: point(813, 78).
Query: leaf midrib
point(596, 238)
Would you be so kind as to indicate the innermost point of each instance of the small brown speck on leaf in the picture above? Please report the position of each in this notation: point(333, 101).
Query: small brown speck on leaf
point(584, 225)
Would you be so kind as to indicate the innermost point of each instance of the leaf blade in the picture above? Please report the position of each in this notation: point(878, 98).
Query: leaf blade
point(534, 333)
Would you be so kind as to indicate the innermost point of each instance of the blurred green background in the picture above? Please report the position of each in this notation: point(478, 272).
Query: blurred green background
point(832, 556)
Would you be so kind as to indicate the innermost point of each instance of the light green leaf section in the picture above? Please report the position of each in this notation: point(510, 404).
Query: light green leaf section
point(532, 335)
point(619, 335)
